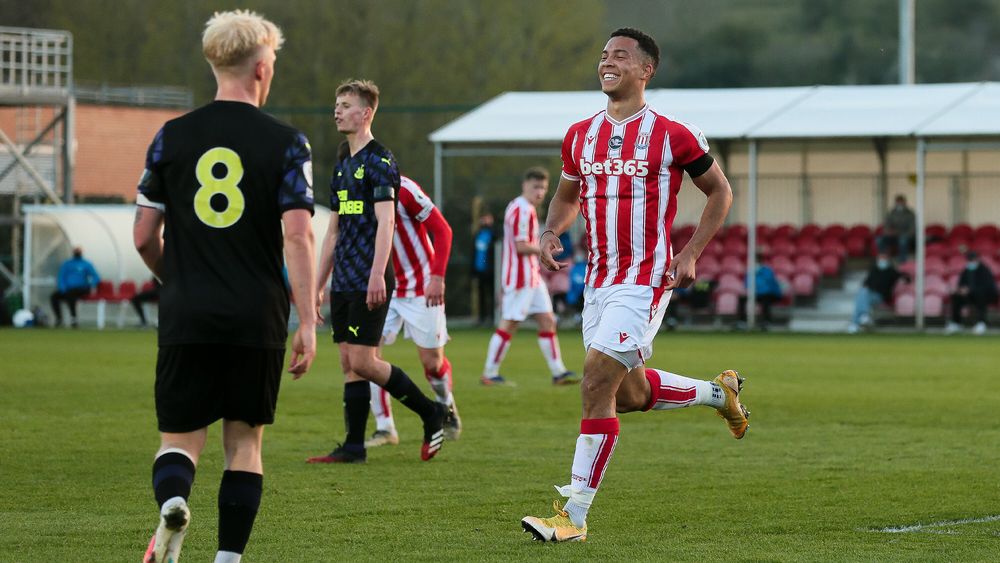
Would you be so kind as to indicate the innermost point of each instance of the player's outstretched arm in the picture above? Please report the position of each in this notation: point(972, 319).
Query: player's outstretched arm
point(720, 197)
point(563, 209)
point(147, 238)
point(441, 236)
point(385, 214)
point(300, 257)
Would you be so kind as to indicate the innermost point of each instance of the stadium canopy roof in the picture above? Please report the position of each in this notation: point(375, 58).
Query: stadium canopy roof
point(936, 117)
point(105, 234)
point(811, 112)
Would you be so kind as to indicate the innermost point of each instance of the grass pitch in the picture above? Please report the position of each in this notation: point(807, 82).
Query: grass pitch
point(860, 448)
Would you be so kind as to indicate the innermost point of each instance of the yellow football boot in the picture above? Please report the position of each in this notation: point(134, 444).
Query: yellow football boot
point(733, 412)
point(558, 528)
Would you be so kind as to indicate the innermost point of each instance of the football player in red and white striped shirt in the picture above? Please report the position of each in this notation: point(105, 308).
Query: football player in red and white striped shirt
point(622, 168)
point(420, 249)
point(524, 293)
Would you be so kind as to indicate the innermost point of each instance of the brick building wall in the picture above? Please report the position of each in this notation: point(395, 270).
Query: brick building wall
point(111, 143)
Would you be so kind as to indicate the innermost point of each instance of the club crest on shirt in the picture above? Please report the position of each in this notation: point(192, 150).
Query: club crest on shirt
point(642, 142)
point(616, 142)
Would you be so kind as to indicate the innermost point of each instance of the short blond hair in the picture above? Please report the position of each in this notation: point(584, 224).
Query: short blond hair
point(231, 38)
point(364, 89)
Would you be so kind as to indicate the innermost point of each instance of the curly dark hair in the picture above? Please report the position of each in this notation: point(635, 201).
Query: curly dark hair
point(646, 43)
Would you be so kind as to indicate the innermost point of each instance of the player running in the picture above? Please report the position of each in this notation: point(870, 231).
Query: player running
point(524, 293)
point(356, 248)
point(421, 247)
point(623, 168)
point(222, 180)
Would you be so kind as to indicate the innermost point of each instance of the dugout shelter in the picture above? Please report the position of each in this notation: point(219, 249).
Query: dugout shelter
point(907, 124)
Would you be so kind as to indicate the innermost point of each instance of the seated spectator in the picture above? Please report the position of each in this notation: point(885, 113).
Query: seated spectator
point(898, 230)
point(768, 293)
point(151, 294)
point(976, 288)
point(875, 290)
point(77, 278)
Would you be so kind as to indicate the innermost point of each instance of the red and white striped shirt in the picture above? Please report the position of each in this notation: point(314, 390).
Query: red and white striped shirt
point(630, 172)
point(412, 251)
point(520, 224)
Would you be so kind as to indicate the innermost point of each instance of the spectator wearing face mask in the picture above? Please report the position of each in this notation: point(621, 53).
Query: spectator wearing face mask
point(875, 290)
point(976, 288)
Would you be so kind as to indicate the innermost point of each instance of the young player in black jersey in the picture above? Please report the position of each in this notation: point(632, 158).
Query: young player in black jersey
point(222, 181)
point(356, 248)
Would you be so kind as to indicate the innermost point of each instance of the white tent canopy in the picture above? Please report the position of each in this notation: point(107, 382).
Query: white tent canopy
point(105, 234)
point(749, 113)
point(937, 116)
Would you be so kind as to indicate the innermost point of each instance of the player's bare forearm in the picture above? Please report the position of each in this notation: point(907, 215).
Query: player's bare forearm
point(720, 197)
point(300, 258)
point(564, 207)
point(526, 248)
point(385, 214)
point(147, 238)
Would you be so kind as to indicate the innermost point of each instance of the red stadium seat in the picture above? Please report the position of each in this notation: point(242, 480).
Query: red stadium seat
point(857, 246)
point(126, 290)
point(935, 285)
point(786, 230)
point(727, 303)
point(808, 265)
point(148, 286)
point(935, 265)
point(781, 246)
point(985, 247)
point(731, 283)
point(902, 288)
point(808, 246)
point(803, 285)
point(733, 265)
point(734, 247)
point(782, 264)
point(714, 248)
point(933, 306)
point(686, 230)
point(738, 230)
point(905, 305)
point(938, 249)
point(991, 232)
point(955, 263)
point(935, 231)
point(860, 230)
point(764, 232)
point(836, 231)
point(811, 230)
point(829, 264)
point(961, 230)
point(909, 268)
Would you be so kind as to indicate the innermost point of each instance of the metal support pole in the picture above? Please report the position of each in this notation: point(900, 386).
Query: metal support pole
point(752, 237)
point(26, 272)
point(921, 236)
point(69, 154)
point(907, 60)
point(438, 177)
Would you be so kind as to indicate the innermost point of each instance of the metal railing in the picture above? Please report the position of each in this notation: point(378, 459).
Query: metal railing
point(36, 60)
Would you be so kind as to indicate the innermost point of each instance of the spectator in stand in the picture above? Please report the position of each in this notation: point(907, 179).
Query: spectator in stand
point(898, 230)
point(77, 278)
point(976, 288)
point(768, 293)
point(482, 267)
point(875, 290)
point(153, 294)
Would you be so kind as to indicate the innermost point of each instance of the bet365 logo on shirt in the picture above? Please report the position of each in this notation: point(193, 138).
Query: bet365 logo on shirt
point(615, 167)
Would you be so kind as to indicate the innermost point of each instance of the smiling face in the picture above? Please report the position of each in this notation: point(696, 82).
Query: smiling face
point(624, 68)
point(350, 113)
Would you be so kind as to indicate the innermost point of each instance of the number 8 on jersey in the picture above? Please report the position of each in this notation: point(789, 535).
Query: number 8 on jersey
point(227, 186)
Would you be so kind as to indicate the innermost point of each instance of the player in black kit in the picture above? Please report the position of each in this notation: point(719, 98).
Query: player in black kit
point(356, 247)
point(222, 181)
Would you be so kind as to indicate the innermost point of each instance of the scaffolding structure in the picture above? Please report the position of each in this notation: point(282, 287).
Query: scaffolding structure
point(36, 150)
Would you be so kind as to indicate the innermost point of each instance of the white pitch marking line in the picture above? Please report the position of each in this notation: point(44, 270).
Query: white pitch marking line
point(941, 524)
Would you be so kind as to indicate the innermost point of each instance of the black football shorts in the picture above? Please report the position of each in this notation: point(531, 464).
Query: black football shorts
point(351, 320)
point(197, 384)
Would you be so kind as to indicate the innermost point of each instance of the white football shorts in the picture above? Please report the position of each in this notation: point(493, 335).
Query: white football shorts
point(623, 318)
point(426, 326)
point(520, 303)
